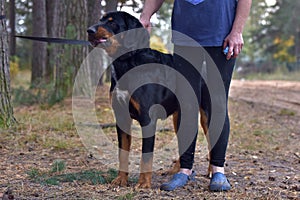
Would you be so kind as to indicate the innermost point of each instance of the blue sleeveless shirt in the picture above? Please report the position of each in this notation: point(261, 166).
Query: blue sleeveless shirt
point(208, 22)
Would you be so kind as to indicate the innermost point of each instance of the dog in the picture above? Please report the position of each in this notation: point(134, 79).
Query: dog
point(125, 39)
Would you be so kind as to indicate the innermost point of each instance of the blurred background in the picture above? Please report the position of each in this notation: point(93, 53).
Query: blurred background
point(45, 72)
point(42, 156)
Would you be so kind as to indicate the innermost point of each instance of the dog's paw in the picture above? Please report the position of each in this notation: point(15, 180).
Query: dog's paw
point(209, 171)
point(120, 181)
point(175, 168)
point(143, 185)
point(144, 181)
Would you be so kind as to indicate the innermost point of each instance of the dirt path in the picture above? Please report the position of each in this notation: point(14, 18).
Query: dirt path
point(263, 156)
point(282, 94)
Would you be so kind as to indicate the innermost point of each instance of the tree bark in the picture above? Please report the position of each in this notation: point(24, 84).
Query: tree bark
point(52, 9)
point(111, 5)
point(39, 49)
point(73, 23)
point(94, 14)
point(6, 111)
point(12, 25)
point(94, 11)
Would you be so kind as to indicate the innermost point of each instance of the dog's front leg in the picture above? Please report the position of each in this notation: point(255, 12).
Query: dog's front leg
point(124, 140)
point(145, 178)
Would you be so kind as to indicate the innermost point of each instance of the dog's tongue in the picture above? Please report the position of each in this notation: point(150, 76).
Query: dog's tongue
point(102, 40)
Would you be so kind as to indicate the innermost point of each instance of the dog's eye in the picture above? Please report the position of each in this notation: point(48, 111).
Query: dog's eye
point(113, 24)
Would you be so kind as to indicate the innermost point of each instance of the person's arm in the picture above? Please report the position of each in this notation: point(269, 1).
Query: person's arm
point(235, 38)
point(150, 7)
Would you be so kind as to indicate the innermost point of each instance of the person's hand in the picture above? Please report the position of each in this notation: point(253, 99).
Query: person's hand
point(235, 43)
point(145, 22)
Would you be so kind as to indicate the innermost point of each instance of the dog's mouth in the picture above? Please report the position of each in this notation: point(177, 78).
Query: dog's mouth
point(99, 36)
point(98, 41)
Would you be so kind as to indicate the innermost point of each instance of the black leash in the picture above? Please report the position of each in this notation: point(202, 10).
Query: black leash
point(55, 40)
point(2, 17)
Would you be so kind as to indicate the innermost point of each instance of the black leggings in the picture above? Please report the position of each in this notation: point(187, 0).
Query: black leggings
point(209, 73)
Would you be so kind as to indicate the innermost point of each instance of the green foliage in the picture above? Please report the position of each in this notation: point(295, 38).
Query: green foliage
point(55, 177)
point(93, 177)
point(7, 120)
point(274, 31)
point(287, 112)
point(57, 144)
point(58, 166)
point(44, 94)
point(34, 173)
point(157, 44)
point(279, 73)
point(282, 52)
point(127, 196)
point(14, 66)
point(112, 174)
point(3, 123)
point(24, 97)
point(52, 178)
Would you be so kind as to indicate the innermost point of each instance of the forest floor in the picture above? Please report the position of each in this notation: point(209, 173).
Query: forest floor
point(43, 157)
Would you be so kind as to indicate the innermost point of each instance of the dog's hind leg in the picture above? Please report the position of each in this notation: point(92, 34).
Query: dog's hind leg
point(145, 178)
point(204, 125)
point(176, 166)
point(124, 139)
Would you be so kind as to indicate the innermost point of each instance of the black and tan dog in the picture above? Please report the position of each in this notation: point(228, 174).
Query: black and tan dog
point(123, 37)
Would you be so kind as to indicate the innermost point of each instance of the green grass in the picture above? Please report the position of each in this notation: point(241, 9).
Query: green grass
point(91, 176)
point(287, 112)
point(279, 74)
point(58, 166)
point(127, 196)
point(21, 80)
point(55, 176)
point(57, 144)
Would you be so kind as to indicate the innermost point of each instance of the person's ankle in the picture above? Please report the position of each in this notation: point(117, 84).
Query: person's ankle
point(216, 169)
point(186, 171)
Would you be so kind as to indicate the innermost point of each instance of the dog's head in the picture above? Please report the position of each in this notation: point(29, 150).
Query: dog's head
point(118, 32)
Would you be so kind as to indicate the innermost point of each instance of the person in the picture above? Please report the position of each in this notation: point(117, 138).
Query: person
point(215, 25)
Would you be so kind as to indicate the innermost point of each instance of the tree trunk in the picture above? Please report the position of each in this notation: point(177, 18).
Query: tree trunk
point(39, 49)
point(6, 111)
point(74, 23)
point(52, 9)
point(94, 11)
point(12, 25)
point(60, 75)
point(111, 5)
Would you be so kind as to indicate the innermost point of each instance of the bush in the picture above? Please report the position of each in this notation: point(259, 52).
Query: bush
point(14, 66)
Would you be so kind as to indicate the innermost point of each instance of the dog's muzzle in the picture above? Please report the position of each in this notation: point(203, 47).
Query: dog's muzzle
point(96, 40)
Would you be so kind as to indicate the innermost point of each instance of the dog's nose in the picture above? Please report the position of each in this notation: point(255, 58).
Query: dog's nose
point(92, 30)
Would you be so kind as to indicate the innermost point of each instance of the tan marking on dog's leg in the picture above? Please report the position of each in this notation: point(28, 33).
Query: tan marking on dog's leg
point(204, 125)
point(175, 167)
point(136, 105)
point(122, 178)
point(145, 174)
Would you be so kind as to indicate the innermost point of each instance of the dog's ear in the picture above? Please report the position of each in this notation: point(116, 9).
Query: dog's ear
point(136, 36)
point(131, 21)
